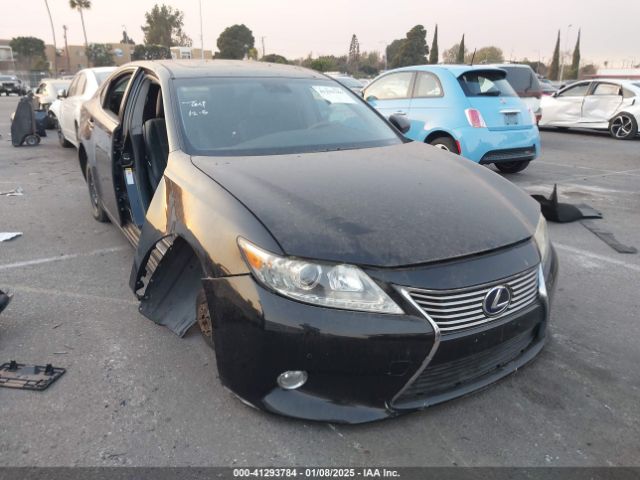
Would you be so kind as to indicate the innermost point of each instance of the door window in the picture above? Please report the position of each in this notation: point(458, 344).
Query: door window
point(427, 85)
point(72, 88)
point(606, 89)
point(115, 93)
point(394, 85)
point(82, 83)
point(576, 91)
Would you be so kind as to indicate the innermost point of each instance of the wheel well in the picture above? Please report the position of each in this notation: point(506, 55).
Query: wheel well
point(172, 288)
point(436, 134)
point(82, 159)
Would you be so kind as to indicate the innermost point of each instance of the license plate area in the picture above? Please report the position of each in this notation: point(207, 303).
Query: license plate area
point(511, 118)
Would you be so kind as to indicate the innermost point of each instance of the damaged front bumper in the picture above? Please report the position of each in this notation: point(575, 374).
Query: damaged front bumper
point(358, 363)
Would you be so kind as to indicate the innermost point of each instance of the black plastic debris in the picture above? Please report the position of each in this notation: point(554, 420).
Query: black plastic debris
point(555, 211)
point(5, 298)
point(608, 237)
point(28, 377)
point(23, 126)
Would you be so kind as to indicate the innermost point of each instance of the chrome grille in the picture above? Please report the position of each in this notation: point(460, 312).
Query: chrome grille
point(457, 309)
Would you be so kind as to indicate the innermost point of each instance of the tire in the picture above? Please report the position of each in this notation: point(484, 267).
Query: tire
point(623, 126)
point(563, 129)
point(32, 140)
point(64, 143)
point(512, 167)
point(96, 205)
point(52, 122)
point(445, 143)
point(204, 318)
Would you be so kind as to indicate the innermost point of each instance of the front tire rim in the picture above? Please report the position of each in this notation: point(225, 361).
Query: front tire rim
point(622, 126)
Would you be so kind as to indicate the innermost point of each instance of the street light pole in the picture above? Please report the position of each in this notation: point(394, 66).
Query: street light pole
point(566, 46)
point(201, 37)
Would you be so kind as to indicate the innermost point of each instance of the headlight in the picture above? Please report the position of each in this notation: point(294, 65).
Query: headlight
point(336, 286)
point(541, 238)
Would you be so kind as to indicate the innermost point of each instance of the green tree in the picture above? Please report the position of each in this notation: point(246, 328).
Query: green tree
point(588, 70)
point(462, 51)
point(487, 55)
point(150, 52)
point(81, 6)
point(393, 52)
point(433, 56)
point(575, 63)
point(325, 63)
point(274, 58)
point(450, 55)
point(164, 27)
point(234, 42)
point(99, 54)
point(414, 49)
point(554, 68)
point(126, 38)
point(370, 64)
point(353, 59)
point(29, 51)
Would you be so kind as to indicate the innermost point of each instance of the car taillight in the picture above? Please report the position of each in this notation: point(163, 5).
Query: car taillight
point(475, 118)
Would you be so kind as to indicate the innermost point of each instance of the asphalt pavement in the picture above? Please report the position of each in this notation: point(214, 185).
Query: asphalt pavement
point(136, 394)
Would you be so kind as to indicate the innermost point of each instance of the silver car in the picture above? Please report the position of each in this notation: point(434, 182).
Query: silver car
point(600, 104)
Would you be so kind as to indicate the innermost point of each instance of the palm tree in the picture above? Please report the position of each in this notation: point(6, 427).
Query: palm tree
point(81, 5)
point(55, 48)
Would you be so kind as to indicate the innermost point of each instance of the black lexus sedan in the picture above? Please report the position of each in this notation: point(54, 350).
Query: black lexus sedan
point(341, 272)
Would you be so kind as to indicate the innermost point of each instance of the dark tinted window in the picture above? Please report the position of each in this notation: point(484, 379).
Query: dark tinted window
point(268, 116)
point(575, 91)
point(522, 79)
point(427, 85)
point(486, 83)
point(113, 98)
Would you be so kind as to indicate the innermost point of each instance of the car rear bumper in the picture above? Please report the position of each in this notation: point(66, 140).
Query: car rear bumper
point(364, 367)
point(480, 144)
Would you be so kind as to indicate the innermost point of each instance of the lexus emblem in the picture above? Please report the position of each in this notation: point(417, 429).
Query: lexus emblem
point(496, 301)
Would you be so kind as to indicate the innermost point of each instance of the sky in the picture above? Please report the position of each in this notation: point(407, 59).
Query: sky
point(295, 28)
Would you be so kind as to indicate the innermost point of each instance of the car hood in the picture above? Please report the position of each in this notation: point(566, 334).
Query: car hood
point(391, 206)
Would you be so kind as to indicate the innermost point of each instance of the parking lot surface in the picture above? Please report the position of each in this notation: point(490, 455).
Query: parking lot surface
point(136, 394)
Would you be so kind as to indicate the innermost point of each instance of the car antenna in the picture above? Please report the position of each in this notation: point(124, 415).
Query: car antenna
point(473, 56)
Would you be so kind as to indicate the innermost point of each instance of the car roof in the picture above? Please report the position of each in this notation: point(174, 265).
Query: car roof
point(455, 69)
point(226, 68)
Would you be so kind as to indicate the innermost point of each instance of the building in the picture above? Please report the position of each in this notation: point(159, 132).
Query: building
point(625, 73)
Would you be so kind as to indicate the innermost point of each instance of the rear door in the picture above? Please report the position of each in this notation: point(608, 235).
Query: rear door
point(105, 130)
point(602, 102)
point(489, 92)
point(429, 108)
point(391, 93)
point(70, 105)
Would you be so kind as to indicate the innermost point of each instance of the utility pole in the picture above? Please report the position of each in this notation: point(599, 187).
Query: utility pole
point(201, 37)
point(262, 38)
point(566, 46)
point(55, 48)
point(66, 49)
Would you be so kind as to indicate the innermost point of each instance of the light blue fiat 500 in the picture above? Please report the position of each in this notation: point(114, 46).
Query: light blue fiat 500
point(469, 110)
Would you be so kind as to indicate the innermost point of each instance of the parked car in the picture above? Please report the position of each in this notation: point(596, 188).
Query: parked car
point(352, 83)
point(602, 104)
point(11, 84)
point(48, 91)
point(469, 110)
point(342, 272)
point(526, 84)
point(66, 110)
point(547, 89)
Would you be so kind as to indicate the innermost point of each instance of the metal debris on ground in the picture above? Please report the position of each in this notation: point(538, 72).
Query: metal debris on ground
point(555, 211)
point(6, 236)
point(608, 237)
point(28, 377)
point(16, 192)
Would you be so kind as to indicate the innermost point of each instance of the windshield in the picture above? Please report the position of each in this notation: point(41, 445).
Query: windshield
point(486, 83)
point(268, 116)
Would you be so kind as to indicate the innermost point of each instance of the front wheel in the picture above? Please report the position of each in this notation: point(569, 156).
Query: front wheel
point(512, 167)
point(623, 126)
point(445, 143)
point(96, 205)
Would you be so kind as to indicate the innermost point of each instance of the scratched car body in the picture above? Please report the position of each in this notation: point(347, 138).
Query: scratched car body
point(318, 250)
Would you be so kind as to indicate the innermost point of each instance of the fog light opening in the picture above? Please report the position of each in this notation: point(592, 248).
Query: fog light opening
point(292, 379)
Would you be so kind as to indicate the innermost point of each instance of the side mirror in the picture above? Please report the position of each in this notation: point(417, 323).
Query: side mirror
point(400, 122)
point(62, 93)
point(370, 98)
